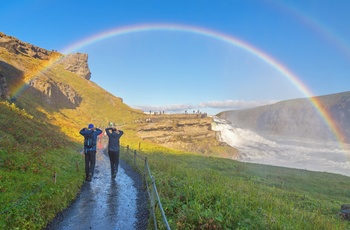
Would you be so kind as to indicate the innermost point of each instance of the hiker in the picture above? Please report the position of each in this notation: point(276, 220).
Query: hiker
point(113, 149)
point(90, 134)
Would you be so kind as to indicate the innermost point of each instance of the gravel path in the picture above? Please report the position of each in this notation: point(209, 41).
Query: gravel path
point(106, 203)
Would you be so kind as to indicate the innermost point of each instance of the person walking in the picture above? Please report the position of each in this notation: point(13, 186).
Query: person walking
point(90, 138)
point(113, 148)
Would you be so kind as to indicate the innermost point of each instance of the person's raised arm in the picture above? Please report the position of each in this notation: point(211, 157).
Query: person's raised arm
point(82, 131)
point(99, 131)
point(120, 132)
point(108, 131)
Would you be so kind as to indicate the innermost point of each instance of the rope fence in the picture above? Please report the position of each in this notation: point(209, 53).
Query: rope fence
point(150, 185)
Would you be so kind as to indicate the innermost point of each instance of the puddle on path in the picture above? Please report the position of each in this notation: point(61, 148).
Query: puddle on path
point(104, 203)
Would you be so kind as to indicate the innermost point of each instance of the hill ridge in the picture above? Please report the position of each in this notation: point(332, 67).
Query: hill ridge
point(297, 117)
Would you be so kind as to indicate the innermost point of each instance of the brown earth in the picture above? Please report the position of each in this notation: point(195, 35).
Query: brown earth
point(186, 132)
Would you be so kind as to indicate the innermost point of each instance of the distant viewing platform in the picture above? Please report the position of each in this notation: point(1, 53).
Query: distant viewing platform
point(163, 115)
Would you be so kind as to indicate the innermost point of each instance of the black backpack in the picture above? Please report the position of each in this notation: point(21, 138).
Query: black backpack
point(89, 141)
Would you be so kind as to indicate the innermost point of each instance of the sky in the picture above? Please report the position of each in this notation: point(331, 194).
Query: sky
point(196, 55)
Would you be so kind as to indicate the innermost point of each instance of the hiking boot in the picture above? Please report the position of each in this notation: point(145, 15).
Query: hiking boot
point(114, 175)
point(89, 177)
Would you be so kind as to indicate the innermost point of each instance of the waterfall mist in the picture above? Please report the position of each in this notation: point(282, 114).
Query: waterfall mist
point(281, 150)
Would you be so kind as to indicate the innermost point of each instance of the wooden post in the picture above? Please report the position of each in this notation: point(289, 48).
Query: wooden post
point(76, 164)
point(139, 146)
point(146, 170)
point(54, 177)
point(134, 157)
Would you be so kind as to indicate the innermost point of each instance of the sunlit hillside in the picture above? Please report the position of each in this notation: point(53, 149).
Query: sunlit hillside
point(39, 136)
point(97, 105)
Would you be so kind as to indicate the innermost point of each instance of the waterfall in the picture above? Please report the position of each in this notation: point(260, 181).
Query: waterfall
point(283, 151)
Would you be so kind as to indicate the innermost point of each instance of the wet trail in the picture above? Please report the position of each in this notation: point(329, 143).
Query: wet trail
point(104, 203)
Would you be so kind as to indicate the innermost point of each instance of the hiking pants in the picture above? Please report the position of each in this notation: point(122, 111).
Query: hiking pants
point(90, 161)
point(114, 160)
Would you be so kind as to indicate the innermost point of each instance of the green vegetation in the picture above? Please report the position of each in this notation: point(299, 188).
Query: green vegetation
point(39, 140)
point(212, 193)
point(31, 153)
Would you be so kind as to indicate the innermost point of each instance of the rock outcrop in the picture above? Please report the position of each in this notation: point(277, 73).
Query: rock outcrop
point(4, 92)
point(14, 45)
point(56, 93)
point(77, 63)
point(345, 212)
point(187, 132)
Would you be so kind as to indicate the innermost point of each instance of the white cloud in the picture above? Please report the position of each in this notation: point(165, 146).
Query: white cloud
point(234, 104)
point(167, 108)
point(224, 105)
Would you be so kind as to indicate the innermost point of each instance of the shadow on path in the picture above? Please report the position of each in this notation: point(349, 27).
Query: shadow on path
point(106, 203)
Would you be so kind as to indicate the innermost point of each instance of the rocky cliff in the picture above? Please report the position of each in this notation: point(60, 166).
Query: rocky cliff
point(187, 132)
point(15, 46)
point(77, 63)
point(297, 118)
point(17, 67)
point(57, 94)
point(4, 92)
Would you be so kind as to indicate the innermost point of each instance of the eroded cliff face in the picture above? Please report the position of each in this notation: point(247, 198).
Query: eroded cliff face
point(187, 132)
point(4, 92)
point(56, 93)
point(16, 46)
point(77, 63)
point(24, 64)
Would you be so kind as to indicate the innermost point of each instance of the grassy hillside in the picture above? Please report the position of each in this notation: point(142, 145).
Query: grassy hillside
point(38, 139)
point(214, 193)
point(31, 152)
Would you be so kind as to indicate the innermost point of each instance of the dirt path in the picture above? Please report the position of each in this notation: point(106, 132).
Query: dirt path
point(106, 203)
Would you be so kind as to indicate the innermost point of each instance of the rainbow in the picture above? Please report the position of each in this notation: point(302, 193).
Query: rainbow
point(224, 38)
point(20, 87)
point(325, 33)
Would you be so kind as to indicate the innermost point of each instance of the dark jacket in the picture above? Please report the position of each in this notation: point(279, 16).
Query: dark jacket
point(95, 132)
point(113, 143)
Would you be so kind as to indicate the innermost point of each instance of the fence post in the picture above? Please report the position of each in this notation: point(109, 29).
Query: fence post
point(152, 191)
point(144, 174)
point(127, 149)
point(54, 177)
point(153, 203)
point(134, 157)
point(76, 164)
point(139, 146)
